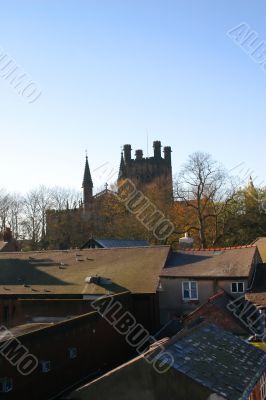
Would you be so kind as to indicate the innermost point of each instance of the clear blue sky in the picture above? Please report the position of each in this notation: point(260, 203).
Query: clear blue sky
point(111, 70)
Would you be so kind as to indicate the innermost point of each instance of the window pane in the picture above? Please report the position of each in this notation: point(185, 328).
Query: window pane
point(234, 288)
point(186, 294)
point(241, 287)
point(194, 290)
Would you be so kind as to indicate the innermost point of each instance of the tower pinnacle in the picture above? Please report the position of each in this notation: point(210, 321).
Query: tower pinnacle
point(122, 169)
point(87, 184)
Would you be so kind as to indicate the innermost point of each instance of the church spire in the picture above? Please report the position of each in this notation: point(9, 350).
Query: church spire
point(87, 184)
point(250, 182)
point(87, 175)
point(122, 169)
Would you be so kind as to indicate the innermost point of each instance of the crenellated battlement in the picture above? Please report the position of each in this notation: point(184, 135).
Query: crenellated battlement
point(144, 170)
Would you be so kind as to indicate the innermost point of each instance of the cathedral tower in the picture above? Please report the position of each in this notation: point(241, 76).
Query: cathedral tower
point(145, 170)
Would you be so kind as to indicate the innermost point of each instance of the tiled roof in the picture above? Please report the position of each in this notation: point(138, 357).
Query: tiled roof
point(218, 360)
point(261, 244)
point(111, 243)
point(64, 272)
point(213, 263)
point(169, 329)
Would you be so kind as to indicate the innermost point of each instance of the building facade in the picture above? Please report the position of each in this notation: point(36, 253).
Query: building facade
point(190, 278)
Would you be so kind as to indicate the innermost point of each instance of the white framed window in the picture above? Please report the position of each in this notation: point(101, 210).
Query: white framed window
point(72, 353)
point(263, 387)
point(237, 287)
point(6, 385)
point(190, 290)
point(45, 365)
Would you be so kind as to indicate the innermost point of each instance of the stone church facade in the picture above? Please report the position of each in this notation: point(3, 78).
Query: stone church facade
point(87, 219)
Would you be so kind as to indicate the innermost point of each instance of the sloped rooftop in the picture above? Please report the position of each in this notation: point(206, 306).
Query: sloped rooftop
point(261, 243)
point(64, 272)
point(214, 263)
point(111, 243)
point(218, 360)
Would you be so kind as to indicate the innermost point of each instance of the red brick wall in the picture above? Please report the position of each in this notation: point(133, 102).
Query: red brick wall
point(215, 315)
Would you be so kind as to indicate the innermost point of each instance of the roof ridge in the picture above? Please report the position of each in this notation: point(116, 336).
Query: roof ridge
point(246, 246)
point(82, 250)
point(258, 238)
point(216, 295)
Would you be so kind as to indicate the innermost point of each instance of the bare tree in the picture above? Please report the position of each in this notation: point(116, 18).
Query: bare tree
point(16, 214)
point(31, 223)
point(35, 205)
point(63, 198)
point(205, 187)
point(4, 209)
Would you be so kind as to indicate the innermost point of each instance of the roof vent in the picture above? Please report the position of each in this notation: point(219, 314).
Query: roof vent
point(92, 279)
point(186, 242)
point(98, 280)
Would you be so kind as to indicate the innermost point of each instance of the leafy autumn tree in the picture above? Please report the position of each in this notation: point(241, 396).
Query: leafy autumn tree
point(248, 220)
point(205, 191)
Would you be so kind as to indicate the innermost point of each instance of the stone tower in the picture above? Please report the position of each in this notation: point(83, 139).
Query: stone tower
point(145, 170)
point(87, 186)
